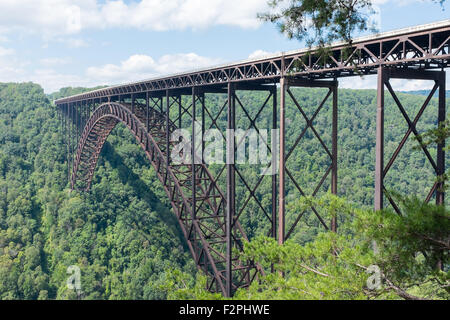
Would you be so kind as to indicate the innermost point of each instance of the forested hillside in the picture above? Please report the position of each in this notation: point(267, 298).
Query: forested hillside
point(122, 233)
point(426, 92)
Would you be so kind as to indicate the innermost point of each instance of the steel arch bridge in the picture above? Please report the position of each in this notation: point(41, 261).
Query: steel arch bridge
point(207, 229)
point(204, 200)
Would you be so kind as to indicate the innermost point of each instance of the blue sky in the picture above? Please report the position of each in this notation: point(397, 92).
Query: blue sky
point(59, 43)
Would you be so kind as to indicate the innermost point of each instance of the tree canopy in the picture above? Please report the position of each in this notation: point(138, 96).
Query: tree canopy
point(124, 237)
point(321, 22)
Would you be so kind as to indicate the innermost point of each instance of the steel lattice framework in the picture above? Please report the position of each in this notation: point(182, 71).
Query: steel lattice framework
point(204, 200)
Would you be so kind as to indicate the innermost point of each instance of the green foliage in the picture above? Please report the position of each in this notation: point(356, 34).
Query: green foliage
point(320, 22)
point(127, 242)
point(412, 248)
point(338, 266)
point(120, 235)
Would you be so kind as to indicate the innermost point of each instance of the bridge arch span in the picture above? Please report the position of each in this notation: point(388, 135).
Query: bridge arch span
point(205, 227)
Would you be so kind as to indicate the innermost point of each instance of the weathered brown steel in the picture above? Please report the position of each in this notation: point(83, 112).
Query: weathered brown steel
point(203, 223)
point(379, 147)
point(334, 151)
point(231, 188)
point(384, 77)
point(208, 216)
point(282, 172)
point(274, 165)
point(332, 91)
point(426, 47)
point(440, 157)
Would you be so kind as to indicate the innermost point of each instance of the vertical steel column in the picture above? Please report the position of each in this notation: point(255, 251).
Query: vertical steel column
point(70, 137)
point(379, 148)
point(440, 161)
point(83, 116)
point(74, 133)
point(132, 103)
point(179, 112)
point(274, 164)
point(230, 187)
point(281, 195)
point(77, 120)
point(334, 142)
point(193, 181)
point(67, 134)
point(80, 120)
point(202, 98)
point(167, 131)
point(440, 157)
point(148, 109)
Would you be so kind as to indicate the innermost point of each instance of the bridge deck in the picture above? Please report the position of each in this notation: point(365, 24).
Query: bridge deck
point(425, 47)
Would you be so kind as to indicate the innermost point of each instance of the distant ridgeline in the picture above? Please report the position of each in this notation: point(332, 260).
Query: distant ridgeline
point(426, 92)
point(69, 91)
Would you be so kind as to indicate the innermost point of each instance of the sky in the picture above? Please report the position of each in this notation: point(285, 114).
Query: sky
point(60, 43)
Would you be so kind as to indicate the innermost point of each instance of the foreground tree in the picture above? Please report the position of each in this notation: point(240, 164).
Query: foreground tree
point(320, 22)
point(345, 266)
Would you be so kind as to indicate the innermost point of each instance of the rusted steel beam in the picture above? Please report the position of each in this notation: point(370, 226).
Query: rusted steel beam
point(334, 151)
point(424, 47)
point(231, 188)
point(282, 172)
point(379, 147)
point(440, 159)
point(205, 232)
point(274, 164)
point(438, 165)
point(332, 87)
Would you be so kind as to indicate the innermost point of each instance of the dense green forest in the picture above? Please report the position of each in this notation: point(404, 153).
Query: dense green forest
point(122, 233)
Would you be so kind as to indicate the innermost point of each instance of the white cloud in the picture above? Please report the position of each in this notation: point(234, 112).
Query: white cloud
point(50, 62)
point(179, 14)
point(139, 66)
point(259, 54)
point(370, 82)
point(136, 67)
point(52, 18)
point(6, 51)
point(45, 17)
point(11, 68)
point(73, 42)
point(52, 81)
point(411, 85)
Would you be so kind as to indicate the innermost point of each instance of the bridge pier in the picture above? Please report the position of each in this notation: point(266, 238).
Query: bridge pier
point(384, 76)
point(231, 184)
point(285, 84)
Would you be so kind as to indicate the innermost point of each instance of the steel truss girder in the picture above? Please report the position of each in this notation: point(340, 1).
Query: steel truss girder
point(384, 76)
point(285, 84)
point(427, 49)
point(271, 217)
point(196, 199)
